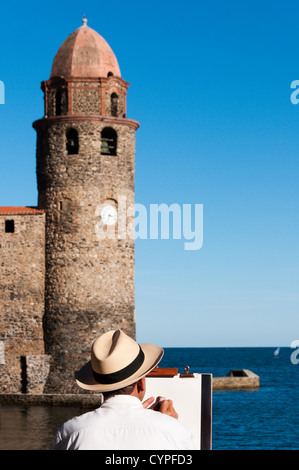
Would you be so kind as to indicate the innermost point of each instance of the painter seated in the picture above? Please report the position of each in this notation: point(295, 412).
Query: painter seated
point(123, 421)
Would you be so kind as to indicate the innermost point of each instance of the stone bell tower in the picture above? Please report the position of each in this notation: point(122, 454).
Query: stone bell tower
point(85, 168)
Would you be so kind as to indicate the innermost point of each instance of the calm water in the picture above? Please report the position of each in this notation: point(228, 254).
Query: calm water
point(262, 419)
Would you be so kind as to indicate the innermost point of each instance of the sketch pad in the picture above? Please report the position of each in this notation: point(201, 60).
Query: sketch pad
point(192, 400)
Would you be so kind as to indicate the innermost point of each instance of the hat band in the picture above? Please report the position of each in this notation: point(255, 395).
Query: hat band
point(120, 374)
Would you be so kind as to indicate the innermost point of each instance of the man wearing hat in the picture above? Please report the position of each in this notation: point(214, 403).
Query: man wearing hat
point(117, 369)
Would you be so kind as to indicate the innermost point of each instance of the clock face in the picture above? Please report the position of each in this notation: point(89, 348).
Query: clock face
point(109, 215)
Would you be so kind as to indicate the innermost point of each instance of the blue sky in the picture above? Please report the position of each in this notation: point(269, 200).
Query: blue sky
point(210, 86)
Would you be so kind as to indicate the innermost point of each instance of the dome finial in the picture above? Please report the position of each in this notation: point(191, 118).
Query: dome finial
point(84, 21)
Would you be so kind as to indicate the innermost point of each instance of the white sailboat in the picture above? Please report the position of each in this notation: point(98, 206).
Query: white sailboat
point(276, 352)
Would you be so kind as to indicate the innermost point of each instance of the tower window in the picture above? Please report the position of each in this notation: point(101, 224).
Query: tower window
point(72, 142)
point(9, 226)
point(58, 103)
point(114, 104)
point(109, 141)
point(109, 74)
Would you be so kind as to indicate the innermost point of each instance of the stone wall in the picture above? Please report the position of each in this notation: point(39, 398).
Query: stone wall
point(84, 96)
point(22, 277)
point(36, 371)
point(86, 100)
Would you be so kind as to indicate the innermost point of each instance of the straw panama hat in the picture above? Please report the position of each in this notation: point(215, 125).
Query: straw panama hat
point(117, 361)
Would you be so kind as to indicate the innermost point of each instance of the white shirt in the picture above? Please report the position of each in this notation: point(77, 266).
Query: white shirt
point(122, 423)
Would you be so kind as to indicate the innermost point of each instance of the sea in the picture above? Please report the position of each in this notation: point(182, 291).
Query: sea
point(262, 419)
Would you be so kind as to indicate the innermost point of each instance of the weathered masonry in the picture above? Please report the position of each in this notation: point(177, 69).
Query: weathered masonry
point(22, 277)
point(63, 286)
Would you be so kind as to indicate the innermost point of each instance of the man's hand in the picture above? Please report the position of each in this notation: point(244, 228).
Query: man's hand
point(162, 405)
point(166, 407)
point(148, 402)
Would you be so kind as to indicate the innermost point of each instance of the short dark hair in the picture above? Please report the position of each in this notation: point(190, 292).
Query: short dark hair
point(128, 390)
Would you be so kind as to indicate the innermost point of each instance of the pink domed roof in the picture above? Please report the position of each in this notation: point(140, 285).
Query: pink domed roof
point(85, 54)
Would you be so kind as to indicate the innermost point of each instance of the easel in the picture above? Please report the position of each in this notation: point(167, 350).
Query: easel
point(192, 398)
